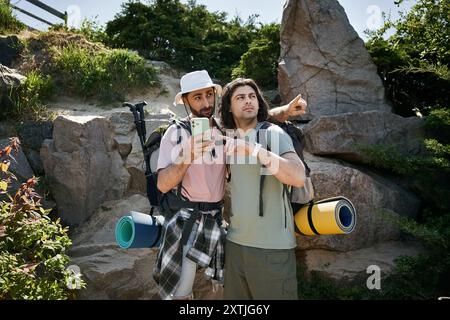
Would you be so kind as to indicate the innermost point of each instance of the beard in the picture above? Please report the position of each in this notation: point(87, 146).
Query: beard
point(205, 112)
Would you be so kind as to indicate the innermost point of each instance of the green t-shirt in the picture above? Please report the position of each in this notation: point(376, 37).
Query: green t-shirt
point(275, 229)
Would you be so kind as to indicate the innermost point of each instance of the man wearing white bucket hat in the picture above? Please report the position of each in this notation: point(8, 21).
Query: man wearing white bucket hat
point(194, 191)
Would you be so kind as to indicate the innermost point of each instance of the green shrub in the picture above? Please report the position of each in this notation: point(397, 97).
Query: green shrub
point(93, 31)
point(414, 63)
point(260, 62)
point(8, 22)
point(28, 99)
point(198, 40)
point(438, 124)
point(426, 276)
point(32, 246)
point(317, 286)
point(108, 74)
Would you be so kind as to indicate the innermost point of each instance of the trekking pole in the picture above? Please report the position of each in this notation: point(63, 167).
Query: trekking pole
point(140, 108)
point(139, 121)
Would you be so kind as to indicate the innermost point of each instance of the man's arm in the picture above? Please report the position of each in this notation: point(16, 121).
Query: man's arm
point(171, 176)
point(296, 107)
point(287, 168)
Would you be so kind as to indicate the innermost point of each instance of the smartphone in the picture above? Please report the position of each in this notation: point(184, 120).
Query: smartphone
point(200, 126)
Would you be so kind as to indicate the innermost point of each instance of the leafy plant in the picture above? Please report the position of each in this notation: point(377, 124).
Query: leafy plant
point(199, 40)
point(414, 62)
point(8, 22)
point(107, 74)
point(260, 62)
point(93, 31)
point(28, 99)
point(32, 246)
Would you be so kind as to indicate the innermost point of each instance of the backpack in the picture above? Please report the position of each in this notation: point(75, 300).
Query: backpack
point(151, 153)
point(298, 197)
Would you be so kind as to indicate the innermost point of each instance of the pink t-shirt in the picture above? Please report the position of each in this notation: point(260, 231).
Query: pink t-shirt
point(204, 180)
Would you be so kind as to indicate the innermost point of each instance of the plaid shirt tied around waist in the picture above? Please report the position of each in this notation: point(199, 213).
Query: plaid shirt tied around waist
point(207, 249)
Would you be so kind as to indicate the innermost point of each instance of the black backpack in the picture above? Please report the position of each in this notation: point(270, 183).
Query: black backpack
point(150, 148)
point(151, 152)
point(298, 197)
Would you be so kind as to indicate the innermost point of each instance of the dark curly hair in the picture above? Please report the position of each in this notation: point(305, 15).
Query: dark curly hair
point(226, 116)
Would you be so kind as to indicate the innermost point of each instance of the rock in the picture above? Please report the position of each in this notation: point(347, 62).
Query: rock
point(272, 96)
point(10, 49)
point(135, 160)
point(34, 159)
point(7, 129)
point(83, 166)
point(124, 129)
point(99, 229)
point(122, 122)
point(369, 193)
point(111, 272)
point(9, 81)
point(118, 275)
point(323, 58)
point(19, 166)
point(349, 265)
point(32, 135)
point(339, 135)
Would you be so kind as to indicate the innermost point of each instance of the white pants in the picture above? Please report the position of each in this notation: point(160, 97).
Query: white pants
point(188, 269)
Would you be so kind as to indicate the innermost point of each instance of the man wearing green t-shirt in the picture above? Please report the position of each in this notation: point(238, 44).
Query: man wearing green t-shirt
point(260, 249)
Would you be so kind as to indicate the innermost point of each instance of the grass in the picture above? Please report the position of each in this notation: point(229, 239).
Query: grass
point(28, 99)
point(8, 22)
point(69, 63)
point(108, 74)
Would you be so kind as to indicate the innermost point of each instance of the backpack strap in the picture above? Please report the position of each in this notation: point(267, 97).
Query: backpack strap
point(286, 192)
point(182, 123)
point(261, 139)
point(186, 125)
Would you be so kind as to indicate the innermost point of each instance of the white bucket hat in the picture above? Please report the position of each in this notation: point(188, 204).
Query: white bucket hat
point(193, 81)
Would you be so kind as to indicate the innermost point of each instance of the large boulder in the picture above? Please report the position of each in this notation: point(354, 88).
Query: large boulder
point(369, 193)
point(340, 135)
point(323, 58)
point(349, 265)
point(83, 166)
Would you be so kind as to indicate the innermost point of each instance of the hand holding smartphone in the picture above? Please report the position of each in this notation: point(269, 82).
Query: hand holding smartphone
point(200, 126)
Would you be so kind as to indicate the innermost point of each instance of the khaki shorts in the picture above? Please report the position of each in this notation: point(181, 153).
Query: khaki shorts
point(259, 274)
